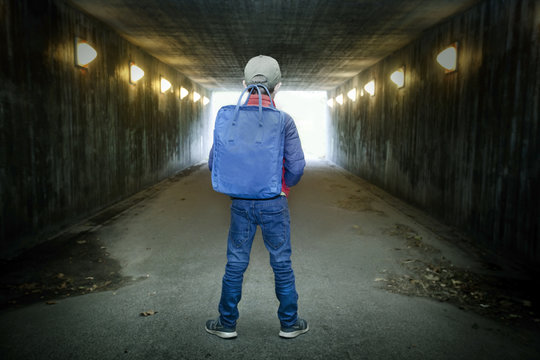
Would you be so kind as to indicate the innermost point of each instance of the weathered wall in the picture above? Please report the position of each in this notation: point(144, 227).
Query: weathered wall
point(464, 145)
point(74, 141)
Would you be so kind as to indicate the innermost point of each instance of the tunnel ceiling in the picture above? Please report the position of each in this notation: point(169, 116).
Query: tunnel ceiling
point(319, 44)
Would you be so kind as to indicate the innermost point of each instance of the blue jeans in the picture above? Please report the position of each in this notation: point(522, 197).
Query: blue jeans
point(273, 218)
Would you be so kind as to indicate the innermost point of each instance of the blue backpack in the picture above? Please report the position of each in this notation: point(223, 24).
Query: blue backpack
point(248, 149)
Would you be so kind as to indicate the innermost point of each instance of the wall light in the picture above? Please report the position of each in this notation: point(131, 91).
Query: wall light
point(370, 87)
point(352, 94)
point(135, 73)
point(165, 85)
point(196, 96)
point(84, 53)
point(339, 99)
point(183, 93)
point(205, 100)
point(448, 58)
point(330, 102)
point(398, 77)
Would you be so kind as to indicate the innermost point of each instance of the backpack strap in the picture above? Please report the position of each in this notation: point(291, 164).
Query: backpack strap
point(251, 88)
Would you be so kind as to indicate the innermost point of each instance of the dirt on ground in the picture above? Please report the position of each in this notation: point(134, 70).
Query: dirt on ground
point(490, 293)
point(57, 269)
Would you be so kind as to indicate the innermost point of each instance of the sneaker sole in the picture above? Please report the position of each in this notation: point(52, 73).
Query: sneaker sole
point(293, 334)
point(221, 334)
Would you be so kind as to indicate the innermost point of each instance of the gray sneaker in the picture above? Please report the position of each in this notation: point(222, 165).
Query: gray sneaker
point(300, 327)
point(216, 328)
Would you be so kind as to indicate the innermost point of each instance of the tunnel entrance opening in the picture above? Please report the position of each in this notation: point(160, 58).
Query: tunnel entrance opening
point(308, 109)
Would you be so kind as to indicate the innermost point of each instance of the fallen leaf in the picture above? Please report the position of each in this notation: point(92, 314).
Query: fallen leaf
point(380, 279)
point(431, 277)
point(80, 242)
point(148, 313)
point(50, 303)
point(28, 286)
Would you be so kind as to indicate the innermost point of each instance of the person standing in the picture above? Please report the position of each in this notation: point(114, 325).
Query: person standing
point(272, 215)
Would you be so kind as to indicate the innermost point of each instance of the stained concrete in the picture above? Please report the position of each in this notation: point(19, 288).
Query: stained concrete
point(176, 238)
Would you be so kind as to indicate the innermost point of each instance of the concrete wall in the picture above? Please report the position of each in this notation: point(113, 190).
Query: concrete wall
point(74, 141)
point(465, 145)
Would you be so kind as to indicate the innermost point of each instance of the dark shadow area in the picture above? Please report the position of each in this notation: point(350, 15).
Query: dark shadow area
point(73, 263)
point(58, 269)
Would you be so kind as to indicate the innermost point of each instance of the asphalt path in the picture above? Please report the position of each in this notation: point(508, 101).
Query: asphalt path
point(343, 251)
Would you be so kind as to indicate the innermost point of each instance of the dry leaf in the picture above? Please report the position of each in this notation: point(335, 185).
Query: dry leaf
point(50, 303)
point(148, 313)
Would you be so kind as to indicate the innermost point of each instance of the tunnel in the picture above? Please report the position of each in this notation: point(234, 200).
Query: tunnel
point(414, 228)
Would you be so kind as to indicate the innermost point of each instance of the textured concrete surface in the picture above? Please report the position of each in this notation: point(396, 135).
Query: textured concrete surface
point(318, 43)
point(462, 145)
point(177, 239)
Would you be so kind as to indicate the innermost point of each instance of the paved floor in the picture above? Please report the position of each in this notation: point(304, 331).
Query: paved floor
point(344, 249)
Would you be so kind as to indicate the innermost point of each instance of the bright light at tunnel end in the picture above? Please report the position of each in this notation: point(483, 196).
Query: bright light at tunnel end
point(309, 109)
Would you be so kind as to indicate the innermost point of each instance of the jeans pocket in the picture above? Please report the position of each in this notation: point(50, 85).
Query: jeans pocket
point(239, 229)
point(275, 226)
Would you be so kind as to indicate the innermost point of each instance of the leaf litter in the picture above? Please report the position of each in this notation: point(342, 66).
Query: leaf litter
point(148, 313)
point(58, 269)
point(429, 274)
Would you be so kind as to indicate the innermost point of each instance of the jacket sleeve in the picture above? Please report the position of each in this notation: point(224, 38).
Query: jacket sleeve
point(293, 154)
point(211, 158)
